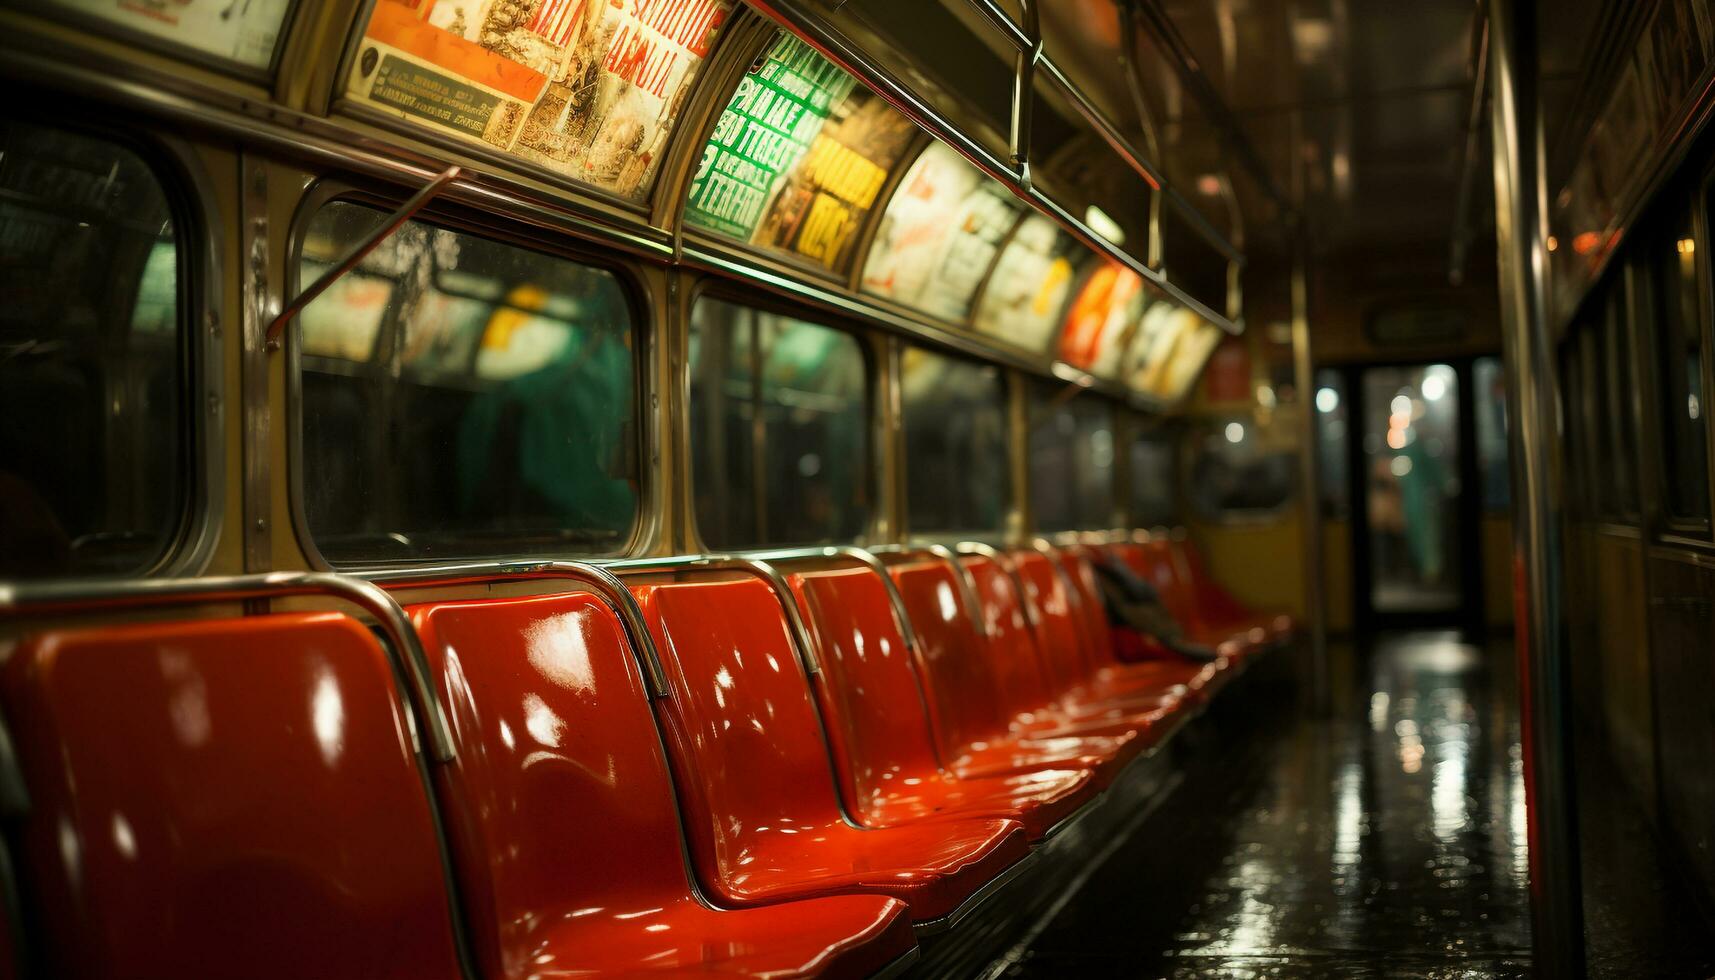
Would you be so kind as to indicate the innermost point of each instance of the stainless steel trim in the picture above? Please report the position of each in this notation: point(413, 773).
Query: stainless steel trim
point(404, 213)
point(594, 576)
point(979, 898)
point(255, 278)
point(1521, 232)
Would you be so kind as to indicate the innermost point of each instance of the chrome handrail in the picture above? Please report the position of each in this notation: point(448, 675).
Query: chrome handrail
point(598, 578)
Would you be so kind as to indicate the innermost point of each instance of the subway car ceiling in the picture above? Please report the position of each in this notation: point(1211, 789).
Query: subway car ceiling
point(1047, 242)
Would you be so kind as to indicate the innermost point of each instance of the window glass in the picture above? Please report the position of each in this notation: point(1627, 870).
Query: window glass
point(1332, 462)
point(1685, 452)
point(1154, 473)
point(939, 235)
point(957, 472)
point(1102, 319)
point(1025, 295)
point(589, 91)
point(1619, 406)
point(779, 428)
point(92, 367)
point(1492, 453)
point(463, 398)
point(798, 158)
point(1241, 467)
point(245, 34)
point(1071, 459)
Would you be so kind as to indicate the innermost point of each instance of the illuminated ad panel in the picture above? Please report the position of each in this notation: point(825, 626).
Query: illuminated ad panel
point(244, 33)
point(1100, 323)
point(939, 235)
point(1178, 348)
point(797, 158)
point(1032, 278)
point(588, 89)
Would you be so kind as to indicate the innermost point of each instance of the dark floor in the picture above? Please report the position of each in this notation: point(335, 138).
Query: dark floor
point(1387, 841)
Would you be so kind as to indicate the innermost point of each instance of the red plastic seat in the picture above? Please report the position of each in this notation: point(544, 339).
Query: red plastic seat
point(753, 772)
point(1044, 688)
point(1217, 607)
point(1153, 560)
point(972, 720)
point(561, 813)
point(879, 728)
point(229, 797)
point(1063, 637)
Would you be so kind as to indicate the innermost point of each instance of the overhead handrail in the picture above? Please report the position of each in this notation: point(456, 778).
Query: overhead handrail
point(358, 253)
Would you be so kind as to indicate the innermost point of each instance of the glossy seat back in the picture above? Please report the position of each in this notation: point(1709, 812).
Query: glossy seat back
point(1078, 561)
point(964, 704)
point(224, 797)
point(1013, 659)
point(1061, 639)
point(1153, 560)
point(873, 709)
point(1214, 603)
point(559, 805)
point(748, 753)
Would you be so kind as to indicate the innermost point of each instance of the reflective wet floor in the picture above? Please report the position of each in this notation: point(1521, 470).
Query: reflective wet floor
point(1385, 841)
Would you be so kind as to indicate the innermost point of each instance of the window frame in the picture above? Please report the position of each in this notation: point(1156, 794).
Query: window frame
point(332, 187)
point(180, 173)
point(1670, 527)
point(734, 292)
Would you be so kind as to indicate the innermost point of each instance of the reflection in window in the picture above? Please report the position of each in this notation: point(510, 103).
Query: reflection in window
point(779, 428)
point(1240, 467)
point(1100, 323)
point(1332, 472)
point(957, 473)
point(92, 377)
point(939, 236)
point(589, 91)
point(1685, 452)
point(463, 398)
point(1154, 474)
point(798, 157)
point(1024, 297)
point(1492, 454)
point(1071, 459)
point(1619, 406)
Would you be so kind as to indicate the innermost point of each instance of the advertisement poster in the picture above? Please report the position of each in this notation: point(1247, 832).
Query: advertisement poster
point(1101, 319)
point(775, 114)
point(939, 235)
point(589, 89)
point(1029, 286)
point(241, 31)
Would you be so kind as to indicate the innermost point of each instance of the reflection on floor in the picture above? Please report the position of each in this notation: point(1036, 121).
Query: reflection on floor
point(1386, 841)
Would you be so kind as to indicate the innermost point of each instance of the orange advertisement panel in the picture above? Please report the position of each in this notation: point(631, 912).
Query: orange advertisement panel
point(1102, 318)
point(588, 89)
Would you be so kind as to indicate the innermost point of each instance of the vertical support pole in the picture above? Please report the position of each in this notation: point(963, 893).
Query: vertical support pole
point(1521, 233)
point(1309, 477)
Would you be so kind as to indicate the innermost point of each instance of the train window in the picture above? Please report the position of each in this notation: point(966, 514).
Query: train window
point(1619, 406)
point(1492, 453)
point(587, 91)
point(798, 158)
point(939, 235)
point(242, 34)
point(1240, 468)
point(957, 476)
point(1685, 451)
point(1071, 459)
point(462, 398)
point(1154, 474)
point(92, 358)
point(1102, 319)
point(1592, 433)
point(1333, 470)
point(779, 428)
point(1026, 294)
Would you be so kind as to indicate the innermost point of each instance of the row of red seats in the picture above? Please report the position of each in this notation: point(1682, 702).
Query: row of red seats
point(782, 767)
